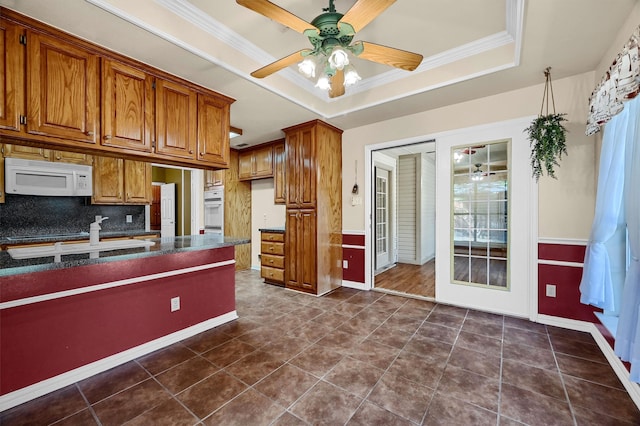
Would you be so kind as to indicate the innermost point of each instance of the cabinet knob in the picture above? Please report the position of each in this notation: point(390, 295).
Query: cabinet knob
point(270, 260)
point(190, 151)
point(58, 157)
point(107, 137)
point(89, 133)
point(202, 154)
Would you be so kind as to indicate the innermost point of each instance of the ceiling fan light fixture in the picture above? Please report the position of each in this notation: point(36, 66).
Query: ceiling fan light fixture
point(351, 76)
point(477, 173)
point(338, 59)
point(307, 68)
point(323, 83)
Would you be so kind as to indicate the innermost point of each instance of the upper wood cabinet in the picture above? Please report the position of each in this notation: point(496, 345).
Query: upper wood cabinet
point(213, 178)
point(61, 92)
point(42, 154)
point(137, 182)
point(213, 130)
point(176, 115)
point(118, 181)
point(127, 106)
point(301, 168)
point(279, 174)
point(62, 89)
point(256, 163)
point(108, 180)
point(11, 76)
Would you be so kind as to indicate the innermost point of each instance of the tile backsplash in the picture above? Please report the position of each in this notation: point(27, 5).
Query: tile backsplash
point(26, 215)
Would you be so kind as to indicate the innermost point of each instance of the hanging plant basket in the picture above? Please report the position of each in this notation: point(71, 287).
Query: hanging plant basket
point(547, 136)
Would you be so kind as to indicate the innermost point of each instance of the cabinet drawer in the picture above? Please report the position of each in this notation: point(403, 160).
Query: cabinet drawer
point(268, 247)
point(272, 274)
point(273, 236)
point(273, 261)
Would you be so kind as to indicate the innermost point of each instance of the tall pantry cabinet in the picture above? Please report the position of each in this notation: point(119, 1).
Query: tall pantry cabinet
point(313, 245)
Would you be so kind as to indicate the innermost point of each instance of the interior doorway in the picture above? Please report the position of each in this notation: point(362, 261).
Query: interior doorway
point(403, 219)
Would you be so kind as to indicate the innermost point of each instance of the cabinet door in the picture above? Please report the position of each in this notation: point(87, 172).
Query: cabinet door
point(11, 75)
point(213, 178)
point(301, 175)
point(279, 174)
point(137, 182)
point(263, 162)
point(176, 115)
point(27, 152)
point(245, 165)
point(127, 107)
point(213, 130)
point(108, 180)
point(71, 157)
point(300, 250)
point(63, 90)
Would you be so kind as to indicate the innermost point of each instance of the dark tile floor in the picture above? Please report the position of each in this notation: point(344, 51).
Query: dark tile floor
point(351, 357)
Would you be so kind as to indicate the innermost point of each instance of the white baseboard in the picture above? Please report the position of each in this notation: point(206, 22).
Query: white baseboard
point(353, 284)
point(621, 371)
point(65, 379)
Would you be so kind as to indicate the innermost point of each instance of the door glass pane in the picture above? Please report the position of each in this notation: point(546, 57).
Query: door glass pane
point(480, 214)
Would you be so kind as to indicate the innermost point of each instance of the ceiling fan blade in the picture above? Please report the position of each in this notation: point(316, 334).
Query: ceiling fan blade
point(337, 84)
point(279, 64)
point(365, 11)
point(278, 14)
point(390, 56)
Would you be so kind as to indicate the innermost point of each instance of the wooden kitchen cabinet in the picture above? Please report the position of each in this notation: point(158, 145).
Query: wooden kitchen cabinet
point(137, 182)
point(256, 163)
point(213, 178)
point(176, 115)
point(272, 257)
point(61, 92)
point(213, 130)
point(313, 158)
point(301, 168)
point(119, 181)
point(62, 89)
point(127, 106)
point(11, 75)
point(42, 154)
point(301, 250)
point(279, 174)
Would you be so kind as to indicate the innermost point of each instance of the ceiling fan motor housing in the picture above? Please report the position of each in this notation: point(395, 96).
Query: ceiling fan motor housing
point(329, 33)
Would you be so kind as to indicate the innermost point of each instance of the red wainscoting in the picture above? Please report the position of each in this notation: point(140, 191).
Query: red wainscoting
point(561, 264)
point(353, 253)
point(40, 340)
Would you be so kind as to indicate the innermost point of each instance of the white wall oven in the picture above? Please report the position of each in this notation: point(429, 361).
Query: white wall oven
point(214, 211)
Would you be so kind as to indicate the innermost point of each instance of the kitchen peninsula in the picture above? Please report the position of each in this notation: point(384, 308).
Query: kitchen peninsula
point(64, 321)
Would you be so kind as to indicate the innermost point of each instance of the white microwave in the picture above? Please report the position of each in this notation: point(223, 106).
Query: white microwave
point(32, 177)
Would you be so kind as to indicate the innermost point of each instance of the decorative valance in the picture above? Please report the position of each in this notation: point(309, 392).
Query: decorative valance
point(620, 83)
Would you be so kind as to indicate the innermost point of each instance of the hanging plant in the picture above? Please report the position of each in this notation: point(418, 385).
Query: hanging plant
point(547, 136)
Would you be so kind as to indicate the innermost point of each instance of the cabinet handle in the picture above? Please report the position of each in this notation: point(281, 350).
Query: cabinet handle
point(58, 157)
point(190, 151)
point(89, 133)
point(202, 154)
point(107, 137)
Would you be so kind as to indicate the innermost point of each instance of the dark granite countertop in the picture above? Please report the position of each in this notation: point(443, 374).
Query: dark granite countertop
point(32, 239)
point(162, 246)
point(274, 229)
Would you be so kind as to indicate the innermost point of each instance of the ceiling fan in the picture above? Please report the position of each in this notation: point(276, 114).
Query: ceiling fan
point(331, 34)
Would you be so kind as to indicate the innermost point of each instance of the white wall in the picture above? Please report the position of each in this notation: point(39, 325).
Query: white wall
point(566, 204)
point(264, 214)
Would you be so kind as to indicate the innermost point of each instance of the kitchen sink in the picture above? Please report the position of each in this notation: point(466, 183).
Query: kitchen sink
point(58, 249)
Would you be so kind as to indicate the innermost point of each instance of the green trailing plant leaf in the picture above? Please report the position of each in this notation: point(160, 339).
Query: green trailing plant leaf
point(548, 143)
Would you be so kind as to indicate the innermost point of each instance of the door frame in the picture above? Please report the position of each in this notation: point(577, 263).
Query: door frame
point(509, 129)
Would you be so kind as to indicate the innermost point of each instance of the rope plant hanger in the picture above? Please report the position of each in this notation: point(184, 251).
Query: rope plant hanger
point(547, 134)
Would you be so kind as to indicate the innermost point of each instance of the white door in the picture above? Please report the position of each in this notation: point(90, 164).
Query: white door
point(381, 219)
point(168, 210)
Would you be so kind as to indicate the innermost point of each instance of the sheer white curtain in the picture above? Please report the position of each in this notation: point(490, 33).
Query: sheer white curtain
point(627, 345)
point(597, 286)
